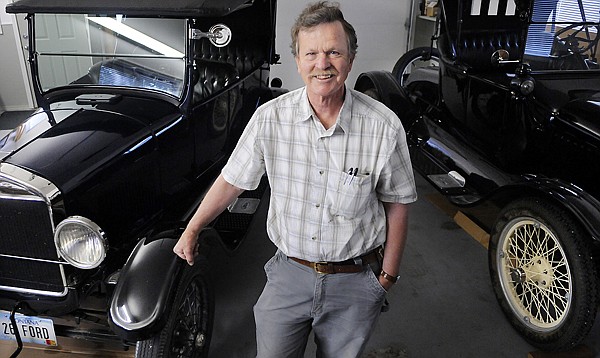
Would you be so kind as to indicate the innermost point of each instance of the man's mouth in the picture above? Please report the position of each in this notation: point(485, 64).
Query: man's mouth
point(324, 76)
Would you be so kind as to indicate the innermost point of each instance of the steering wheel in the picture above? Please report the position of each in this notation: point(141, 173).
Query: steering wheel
point(576, 44)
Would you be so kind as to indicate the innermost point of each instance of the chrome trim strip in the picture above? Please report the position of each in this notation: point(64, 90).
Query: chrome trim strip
point(34, 259)
point(38, 185)
point(21, 197)
point(36, 292)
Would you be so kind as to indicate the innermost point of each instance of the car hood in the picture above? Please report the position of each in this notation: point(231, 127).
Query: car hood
point(66, 145)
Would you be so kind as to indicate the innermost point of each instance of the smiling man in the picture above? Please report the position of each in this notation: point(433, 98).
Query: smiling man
point(341, 179)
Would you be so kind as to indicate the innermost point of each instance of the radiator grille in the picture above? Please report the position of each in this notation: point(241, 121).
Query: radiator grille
point(28, 256)
point(26, 229)
point(23, 274)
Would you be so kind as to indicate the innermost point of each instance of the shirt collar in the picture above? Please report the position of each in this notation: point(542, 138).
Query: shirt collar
point(305, 111)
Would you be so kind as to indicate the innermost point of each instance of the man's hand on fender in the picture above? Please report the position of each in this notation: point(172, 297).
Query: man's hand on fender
point(187, 247)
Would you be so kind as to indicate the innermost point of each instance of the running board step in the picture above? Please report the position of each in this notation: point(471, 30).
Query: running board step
point(234, 222)
point(447, 181)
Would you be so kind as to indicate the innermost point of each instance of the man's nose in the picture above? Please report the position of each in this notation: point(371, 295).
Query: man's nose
point(322, 61)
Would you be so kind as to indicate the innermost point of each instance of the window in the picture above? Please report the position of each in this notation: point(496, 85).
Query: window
point(552, 15)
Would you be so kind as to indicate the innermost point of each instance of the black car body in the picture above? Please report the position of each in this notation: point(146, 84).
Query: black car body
point(140, 105)
point(502, 117)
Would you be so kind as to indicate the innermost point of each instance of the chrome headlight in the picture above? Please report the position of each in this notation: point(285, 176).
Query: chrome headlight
point(80, 242)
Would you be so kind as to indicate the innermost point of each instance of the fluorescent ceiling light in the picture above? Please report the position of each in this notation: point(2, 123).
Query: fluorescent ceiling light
point(135, 35)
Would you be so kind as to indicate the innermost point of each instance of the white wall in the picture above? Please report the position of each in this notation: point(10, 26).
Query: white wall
point(380, 27)
point(15, 92)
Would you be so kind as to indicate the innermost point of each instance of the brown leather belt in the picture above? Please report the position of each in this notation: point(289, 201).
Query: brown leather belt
point(348, 266)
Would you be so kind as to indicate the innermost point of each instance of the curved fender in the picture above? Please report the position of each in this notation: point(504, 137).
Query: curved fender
point(146, 287)
point(389, 91)
point(581, 204)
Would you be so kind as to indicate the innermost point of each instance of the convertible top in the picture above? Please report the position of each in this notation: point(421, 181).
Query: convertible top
point(170, 8)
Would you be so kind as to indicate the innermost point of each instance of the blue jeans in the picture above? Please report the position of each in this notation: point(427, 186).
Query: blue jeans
point(340, 308)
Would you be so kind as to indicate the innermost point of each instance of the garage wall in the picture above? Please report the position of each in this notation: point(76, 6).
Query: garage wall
point(381, 27)
point(14, 90)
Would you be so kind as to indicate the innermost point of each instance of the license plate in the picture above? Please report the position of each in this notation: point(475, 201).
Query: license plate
point(32, 329)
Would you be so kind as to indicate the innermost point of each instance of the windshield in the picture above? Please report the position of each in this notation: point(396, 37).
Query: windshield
point(563, 35)
point(110, 51)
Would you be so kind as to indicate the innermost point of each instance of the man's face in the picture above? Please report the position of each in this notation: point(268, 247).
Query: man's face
point(324, 60)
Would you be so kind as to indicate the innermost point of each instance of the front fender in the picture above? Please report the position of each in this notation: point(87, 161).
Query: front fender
point(144, 289)
point(144, 293)
point(583, 207)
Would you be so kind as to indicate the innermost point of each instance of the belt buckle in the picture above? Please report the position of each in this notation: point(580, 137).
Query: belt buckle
point(317, 267)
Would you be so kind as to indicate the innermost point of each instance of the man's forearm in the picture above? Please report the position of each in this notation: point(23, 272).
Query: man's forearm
point(218, 197)
point(397, 228)
point(220, 194)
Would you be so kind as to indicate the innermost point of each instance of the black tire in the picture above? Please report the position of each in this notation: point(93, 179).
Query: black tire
point(188, 330)
point(544, 274)
point(417, 57)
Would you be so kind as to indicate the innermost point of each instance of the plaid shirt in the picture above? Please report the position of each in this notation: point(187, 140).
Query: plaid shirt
point(327, 186)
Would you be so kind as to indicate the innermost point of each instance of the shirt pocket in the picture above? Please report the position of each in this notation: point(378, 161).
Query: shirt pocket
point(352, 195)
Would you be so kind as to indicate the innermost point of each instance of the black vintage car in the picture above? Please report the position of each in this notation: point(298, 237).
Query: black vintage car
point(503, 117)
point(140, 105)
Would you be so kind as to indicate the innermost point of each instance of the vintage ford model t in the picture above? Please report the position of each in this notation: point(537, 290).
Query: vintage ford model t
point(140, 105)
point(503, 117)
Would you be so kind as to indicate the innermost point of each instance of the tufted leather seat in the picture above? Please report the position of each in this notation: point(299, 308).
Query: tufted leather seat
point(244, 58)
point(476, 49)
point(212, 77)
point(470, 40)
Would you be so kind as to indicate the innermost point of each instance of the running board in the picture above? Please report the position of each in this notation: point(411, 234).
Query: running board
point(450, 180)
point(234, 222)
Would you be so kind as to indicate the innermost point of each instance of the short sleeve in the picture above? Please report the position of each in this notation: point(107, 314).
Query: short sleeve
point(246, 166)
point(396, 181)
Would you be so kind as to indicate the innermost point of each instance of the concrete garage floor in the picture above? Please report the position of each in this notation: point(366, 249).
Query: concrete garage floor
point(443, 305)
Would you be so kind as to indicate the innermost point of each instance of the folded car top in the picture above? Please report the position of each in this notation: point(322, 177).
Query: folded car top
point(170, 8)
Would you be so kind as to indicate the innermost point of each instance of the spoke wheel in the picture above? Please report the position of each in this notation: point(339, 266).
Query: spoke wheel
point(189, 326)
point(534, 274)
point(543, 274)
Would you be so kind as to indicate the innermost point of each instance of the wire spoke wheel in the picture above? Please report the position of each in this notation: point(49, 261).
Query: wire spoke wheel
point(534, 273)
point(190, 330)
point(543, 272)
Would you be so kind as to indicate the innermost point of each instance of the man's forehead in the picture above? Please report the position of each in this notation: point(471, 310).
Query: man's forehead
point(336, 26)
point(338, 33)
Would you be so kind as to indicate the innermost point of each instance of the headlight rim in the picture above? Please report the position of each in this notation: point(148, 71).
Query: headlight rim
point(89, 224)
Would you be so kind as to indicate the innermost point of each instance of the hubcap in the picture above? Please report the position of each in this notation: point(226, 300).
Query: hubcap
point(540, 272)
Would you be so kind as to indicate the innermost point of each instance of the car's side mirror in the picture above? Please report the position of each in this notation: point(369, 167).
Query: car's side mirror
point(219, 35)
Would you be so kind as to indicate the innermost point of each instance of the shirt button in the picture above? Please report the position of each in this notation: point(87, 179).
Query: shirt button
point(318, 205)
point(321, 172)
point(313, 238)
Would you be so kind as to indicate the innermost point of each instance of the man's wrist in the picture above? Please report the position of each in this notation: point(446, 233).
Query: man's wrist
point(388, 277)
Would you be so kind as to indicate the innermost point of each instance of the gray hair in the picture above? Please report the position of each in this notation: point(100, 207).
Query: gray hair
point(318, 13)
